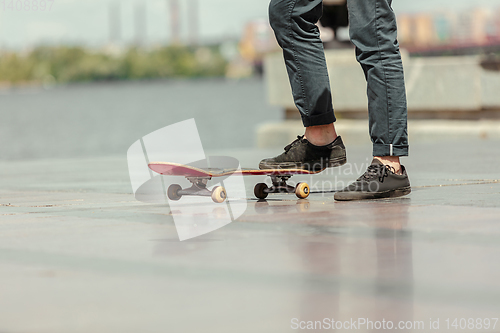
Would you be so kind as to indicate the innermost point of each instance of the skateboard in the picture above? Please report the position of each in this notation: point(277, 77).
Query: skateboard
point(199, 178)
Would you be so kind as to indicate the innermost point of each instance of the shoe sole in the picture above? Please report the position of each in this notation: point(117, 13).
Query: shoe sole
point(350, 196)
point(317, 166)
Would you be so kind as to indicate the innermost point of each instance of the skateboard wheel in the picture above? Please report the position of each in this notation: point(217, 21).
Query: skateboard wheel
point(302, 190)
point(219, 194)
point(173, 192)
point(259, 190)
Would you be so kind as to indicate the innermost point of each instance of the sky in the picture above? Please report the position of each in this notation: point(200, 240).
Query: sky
point(86, 22)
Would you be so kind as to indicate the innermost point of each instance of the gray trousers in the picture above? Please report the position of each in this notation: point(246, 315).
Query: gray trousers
point(373, 32)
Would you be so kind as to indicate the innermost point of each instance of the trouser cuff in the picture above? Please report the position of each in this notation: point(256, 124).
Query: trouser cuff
point(317, 120)
point(380, 149)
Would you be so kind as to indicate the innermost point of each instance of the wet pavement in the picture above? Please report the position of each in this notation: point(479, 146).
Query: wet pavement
point(79, 254)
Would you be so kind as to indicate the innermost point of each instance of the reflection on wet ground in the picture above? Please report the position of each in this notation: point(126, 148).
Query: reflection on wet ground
point(77, 259)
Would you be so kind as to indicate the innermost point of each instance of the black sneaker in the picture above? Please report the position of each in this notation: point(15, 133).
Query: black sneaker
point(379, 181)
point(301, 154)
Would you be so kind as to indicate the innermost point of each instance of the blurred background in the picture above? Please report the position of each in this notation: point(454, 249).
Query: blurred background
point(87, 78)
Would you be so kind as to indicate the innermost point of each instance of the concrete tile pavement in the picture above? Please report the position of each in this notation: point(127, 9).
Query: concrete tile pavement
point(79, 254)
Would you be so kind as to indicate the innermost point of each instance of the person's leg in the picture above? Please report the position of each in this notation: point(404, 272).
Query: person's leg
point(294, 24)
point(373, 31)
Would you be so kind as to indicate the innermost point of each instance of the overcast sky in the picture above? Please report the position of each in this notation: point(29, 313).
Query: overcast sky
point(86, 21)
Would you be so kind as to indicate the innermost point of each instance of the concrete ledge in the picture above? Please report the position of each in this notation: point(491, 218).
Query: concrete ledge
point(279, 134)
point(433, 84)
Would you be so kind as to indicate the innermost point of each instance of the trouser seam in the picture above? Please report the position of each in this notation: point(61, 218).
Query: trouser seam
point(382, 61)
point(294, 52)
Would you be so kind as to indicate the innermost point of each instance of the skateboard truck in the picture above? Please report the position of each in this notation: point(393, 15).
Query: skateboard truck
point(198, 188)
point(261, 190)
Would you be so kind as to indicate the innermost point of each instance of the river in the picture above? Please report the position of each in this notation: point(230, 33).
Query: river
point(98, 119)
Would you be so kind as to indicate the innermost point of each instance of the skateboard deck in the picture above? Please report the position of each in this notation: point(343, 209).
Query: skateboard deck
point(176, 169)
point(200, 176)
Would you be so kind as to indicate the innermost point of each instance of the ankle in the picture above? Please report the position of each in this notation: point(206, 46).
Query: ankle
point(392, 161)
point(320, 135)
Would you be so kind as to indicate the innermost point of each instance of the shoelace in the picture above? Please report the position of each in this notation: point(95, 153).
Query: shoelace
point(299, 138)
point(375, 170)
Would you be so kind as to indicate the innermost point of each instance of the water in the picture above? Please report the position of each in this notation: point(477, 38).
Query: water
point(101, 119)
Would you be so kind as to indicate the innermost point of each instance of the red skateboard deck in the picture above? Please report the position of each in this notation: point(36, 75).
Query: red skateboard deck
point(200, 176)
point(176, 169)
